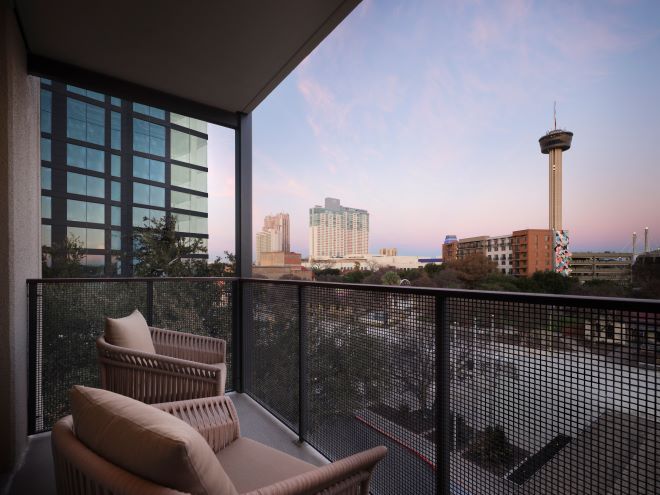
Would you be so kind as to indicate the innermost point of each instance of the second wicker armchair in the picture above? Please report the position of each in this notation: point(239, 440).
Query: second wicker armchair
point(156, 365)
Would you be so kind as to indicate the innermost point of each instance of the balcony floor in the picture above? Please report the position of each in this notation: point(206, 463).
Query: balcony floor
point(36, 473)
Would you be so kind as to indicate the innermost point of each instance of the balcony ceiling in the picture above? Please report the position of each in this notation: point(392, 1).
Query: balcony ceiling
point(223, 54)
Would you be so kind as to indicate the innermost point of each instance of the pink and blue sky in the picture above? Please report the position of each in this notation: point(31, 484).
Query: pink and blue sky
point(428, 114)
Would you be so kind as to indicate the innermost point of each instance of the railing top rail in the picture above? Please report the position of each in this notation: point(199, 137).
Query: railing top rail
point(92, 280)
point(613, 303)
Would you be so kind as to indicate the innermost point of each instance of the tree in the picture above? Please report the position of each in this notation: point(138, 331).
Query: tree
point(160, 252)
point(63, 259)
point(391, 278)
point(222, 266)
point(472, 269)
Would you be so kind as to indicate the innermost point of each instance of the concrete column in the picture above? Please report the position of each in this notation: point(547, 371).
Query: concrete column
point(20, 230)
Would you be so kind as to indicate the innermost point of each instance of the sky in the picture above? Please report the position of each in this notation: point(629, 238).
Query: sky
point(428, 115)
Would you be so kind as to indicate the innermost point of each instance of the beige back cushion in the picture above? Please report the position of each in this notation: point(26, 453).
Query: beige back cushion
point(146, 441)
point(131, 331)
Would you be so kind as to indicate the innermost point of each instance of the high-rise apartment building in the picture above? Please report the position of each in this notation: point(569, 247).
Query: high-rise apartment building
point(336, 231)
point(274, 236)
point(108, 163)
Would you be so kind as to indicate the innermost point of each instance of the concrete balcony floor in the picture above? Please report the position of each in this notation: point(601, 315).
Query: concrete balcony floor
point(36, 475)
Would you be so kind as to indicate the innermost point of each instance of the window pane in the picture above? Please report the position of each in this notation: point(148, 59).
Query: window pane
point(95, 239)
point(76, 211)
point(181, 120)
point(180, 146)
point(95, 187)
point(140, 193)
point(198, 125)
point(46, 236)
point(115, 214)
point(197, 150)
point(75, 156)
point(77, 233)
point(198, 203)
point(75, 125)
point(182, 222)
point(95, 159)
point(45, 207)
point(140, 167)
point(115, 240)
point(156, 196)
point(115, 165)
point(115, 130)
point(180, 200)
point(115, 191)
point(139, 215)
point(95, 213)
point(180, 176)
point(45, 149)
point(76, 183)
point(46, 178)
point(94, 260)
point(157, 171)
point(198, 180)
point(115, 101)
point(46, 110)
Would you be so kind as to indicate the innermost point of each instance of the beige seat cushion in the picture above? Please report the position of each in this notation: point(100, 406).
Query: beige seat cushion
point(251, 465)
point(131, 331)
point(147, 442)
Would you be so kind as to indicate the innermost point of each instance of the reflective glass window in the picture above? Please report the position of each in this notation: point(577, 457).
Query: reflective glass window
point(156, 113)
point(76, 211)
point(115, 240)
point(148, 195)
point(115, 214)
point(85, 92)
point(46, 111)
point(115, 193)
point(45, 149)
point(139, 215)
point(148, 137)
point(85, 122)
point(46, 178)
point(115, 165)
point(95, 239)
point(191, 223)
point(95, 213)
point(46, 81)
point(46, 235)
point(189, 122)
point(188, 178)
point(115, 130)
point(187, 148)
point(46, 207)
point(115, 101)
point(87, 158)
point(145, 168)
point(187, 201)
point(85, 185)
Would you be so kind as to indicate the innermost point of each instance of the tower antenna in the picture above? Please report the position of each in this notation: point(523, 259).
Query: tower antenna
point(555, 114)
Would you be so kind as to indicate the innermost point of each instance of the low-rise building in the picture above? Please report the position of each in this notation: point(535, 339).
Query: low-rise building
point(372, 262)
point(615, 267)
point(532, 251)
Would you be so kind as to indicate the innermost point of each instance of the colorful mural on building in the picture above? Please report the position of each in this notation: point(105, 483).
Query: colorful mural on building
point(562, 261)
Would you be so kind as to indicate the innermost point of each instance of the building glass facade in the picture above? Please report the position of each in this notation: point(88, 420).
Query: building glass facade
point(107, 164)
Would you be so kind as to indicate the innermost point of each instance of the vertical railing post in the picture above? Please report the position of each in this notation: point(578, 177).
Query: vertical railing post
point(32, 357)
point(150, 303)
point(302, 365)
point(237, 337)
point(443, 391)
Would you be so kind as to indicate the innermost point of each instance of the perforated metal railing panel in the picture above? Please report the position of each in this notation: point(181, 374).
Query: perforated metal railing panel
point(271, 332)
point(545, 395)
point(66, 317)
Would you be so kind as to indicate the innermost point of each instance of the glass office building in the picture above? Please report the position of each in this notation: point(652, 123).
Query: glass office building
point(107, 164)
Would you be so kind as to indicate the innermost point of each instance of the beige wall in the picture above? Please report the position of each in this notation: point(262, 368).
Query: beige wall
point(20, 230)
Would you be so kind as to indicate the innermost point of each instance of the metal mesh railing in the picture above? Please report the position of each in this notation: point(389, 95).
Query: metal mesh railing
point(66, 317)
point(473, 393)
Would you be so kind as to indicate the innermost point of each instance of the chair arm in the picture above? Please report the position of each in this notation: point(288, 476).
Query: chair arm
point(338, 478)
point(159, 377)
point(215, 418)
point(188, 346)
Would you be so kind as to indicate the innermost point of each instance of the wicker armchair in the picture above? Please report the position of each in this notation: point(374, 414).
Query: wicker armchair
point(81, 471)
point(185, 366)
